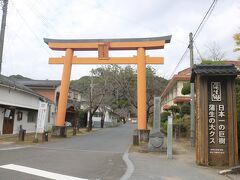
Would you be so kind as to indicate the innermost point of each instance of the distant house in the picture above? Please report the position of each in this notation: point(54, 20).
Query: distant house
point(51, 90)
point(235, 63)
point(19, 107)
point(172, 93)
point(110, 118)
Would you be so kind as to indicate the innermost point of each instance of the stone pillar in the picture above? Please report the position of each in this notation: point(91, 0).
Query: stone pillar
point(169, 137)
point(156, 138)
point(156, 115)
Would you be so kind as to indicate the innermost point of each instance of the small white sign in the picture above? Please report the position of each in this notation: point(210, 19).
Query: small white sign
point(7, 113)
point(42, 112)
point(216, 91)
point(169, 119)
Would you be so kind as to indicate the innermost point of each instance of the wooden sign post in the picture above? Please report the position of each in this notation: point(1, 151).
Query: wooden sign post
point(103, 46)
point(216, 120)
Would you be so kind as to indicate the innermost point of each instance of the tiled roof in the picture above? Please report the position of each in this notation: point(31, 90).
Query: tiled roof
point(40, 83)
point(6, 81)
point(183, 75)
point(180, 99)
point(222, 70)
point(166, 107)
point(185, 72)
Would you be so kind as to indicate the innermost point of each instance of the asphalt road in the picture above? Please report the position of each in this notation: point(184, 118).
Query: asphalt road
point(94, 156)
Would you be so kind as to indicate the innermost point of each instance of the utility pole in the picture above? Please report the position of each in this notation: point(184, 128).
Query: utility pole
point(193, 128)
point(91, 88)
point(4, 4)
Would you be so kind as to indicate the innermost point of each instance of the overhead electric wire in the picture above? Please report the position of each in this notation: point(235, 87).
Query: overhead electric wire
point(196, 33)
point(198, 52)
point(30, 29)
point(45, 21)
point(179, 62)
point(204, 20)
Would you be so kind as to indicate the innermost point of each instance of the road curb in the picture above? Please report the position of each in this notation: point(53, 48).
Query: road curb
point(130, 166)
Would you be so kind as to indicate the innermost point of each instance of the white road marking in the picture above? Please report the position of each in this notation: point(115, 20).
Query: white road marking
point(130, 166)
point(38, 172)
point(5, 142)
point(78, 150)
point(13, 148)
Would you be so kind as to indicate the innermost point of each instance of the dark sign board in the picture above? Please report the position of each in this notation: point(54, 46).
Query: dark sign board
point(217, 122)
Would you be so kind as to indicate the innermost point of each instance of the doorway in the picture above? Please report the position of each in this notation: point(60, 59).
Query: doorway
point(8, 121)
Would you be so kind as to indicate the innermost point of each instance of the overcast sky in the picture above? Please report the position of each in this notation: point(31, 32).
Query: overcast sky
point(29, 21)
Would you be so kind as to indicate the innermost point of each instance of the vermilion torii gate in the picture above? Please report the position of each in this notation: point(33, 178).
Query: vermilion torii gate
point(103, 46)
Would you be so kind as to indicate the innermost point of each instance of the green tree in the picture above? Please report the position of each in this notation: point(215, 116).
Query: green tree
point(211, 62)
point(121, 88)
point(213, 55)
point(185, 108)
point(164, 116)
point(95, 89)
point(237, 83)
point(186, 88)
point(155, 86)
point(237, 41)
point(174, 109)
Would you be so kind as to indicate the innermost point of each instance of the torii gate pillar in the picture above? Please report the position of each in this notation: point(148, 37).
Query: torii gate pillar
point(141, 89)
point(61, 113)
point(141, 96)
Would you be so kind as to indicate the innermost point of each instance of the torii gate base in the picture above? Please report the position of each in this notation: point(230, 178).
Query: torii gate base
point(103, 46)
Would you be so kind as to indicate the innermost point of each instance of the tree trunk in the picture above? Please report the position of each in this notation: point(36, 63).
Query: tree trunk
point(75, 123)
point(90, 122)
point(102, 121)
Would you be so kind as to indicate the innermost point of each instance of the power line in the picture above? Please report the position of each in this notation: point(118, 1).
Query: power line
point(179, 62)
point(204, 20)
point(35, 35)
point(45, 21)
point(198, 52)
point(199, 28)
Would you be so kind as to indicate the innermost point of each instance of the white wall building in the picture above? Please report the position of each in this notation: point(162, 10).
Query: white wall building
point(110, 120)
point(19, 107)
point(172, 93)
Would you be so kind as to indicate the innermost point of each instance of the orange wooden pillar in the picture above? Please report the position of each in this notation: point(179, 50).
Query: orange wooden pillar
point(62, 105)
point(142, 96)
point(141, 89)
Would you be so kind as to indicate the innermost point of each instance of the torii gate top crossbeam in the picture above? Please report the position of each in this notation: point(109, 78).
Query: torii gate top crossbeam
point(113, 44)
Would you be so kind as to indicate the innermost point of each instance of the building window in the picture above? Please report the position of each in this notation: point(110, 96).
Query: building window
point(32, 116)
point(19, 116)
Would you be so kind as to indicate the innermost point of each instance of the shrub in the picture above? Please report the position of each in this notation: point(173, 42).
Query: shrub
point(186, 88)
point(82, 118)
point(185, 109)
point(164, 127)
point(164, 116)
point(174, 108)
point(211, 62)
